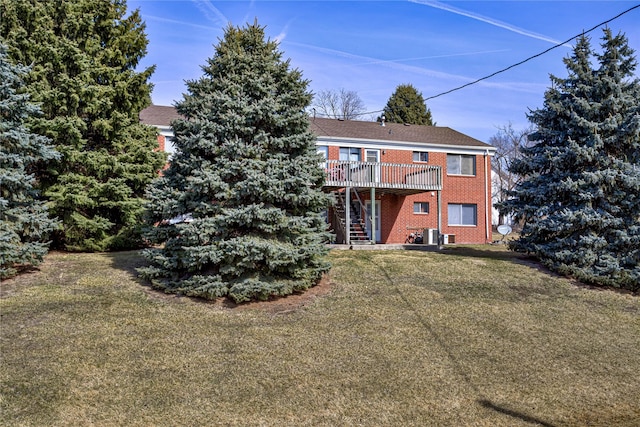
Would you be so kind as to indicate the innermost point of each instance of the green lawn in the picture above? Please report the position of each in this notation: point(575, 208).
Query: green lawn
point(471, 336)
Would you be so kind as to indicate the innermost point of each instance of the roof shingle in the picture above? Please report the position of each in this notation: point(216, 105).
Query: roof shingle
point(391, 132)
point(159, 115)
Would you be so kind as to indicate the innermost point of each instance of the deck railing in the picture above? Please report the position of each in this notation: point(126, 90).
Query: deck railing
point(341, 173)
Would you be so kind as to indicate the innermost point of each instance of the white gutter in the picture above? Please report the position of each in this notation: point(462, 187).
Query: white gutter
point(487, 210)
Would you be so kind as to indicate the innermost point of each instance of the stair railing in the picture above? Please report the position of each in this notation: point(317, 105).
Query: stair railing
point(361, 207)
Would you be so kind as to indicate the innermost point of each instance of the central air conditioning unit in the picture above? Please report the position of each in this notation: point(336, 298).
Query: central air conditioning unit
point(431, 236)
point(449, 239)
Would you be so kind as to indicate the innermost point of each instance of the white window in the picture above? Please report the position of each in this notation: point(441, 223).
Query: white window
point(462, 214)
point(372, 156)
point(324, 151)
point(169, 146)
point(420, 207)
point(460, 164)
point(350, 154)
point(420, 156)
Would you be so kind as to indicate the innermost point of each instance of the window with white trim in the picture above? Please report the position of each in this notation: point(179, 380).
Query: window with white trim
point(420, 207)
point(324, 151)
point(169, 147)
point(420, 156)
point(461, 164)
point(350, 154)
point(463, 214)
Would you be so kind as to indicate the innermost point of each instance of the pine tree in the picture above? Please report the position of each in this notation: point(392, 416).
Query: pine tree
point(580, 198)
point(407, 105)
point(24, 221)
point(246, 177)
point(84, 55)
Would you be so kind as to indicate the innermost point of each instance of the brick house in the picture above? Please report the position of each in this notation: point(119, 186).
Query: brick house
point(421, 177)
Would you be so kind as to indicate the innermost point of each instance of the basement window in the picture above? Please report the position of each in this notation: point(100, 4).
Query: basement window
point(420, 207)
point(463, 214)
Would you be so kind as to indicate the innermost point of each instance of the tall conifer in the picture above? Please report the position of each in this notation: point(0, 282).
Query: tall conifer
point(84, 55)
point(246, 178)
point(580, 198)
point(24, 221)
point(407, 105)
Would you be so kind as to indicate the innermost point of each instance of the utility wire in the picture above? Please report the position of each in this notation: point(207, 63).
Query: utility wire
point(521, 62)
point(534, 56)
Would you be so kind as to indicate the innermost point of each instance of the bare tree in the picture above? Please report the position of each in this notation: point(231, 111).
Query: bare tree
point(507, 142)
point(343, 104)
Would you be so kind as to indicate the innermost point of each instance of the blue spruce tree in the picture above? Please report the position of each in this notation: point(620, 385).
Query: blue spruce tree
point(246, 176)
point(580, 198)
point(24, 221)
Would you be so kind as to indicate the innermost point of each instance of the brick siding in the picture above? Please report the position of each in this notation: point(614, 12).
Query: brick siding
point(398, 218)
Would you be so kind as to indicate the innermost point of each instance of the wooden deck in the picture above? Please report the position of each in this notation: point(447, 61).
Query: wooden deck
point(388, 177)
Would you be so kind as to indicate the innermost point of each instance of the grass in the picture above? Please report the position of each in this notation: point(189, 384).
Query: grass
point(471, 336)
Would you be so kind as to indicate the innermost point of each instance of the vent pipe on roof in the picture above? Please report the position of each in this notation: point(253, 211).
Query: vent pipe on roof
point(382, 119)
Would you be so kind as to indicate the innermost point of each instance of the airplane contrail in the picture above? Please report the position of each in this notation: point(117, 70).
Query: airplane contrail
point(211, 12)
point(490, 21)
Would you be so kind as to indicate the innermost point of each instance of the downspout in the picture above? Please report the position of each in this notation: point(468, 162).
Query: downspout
point(487, 211)
point(347, 216)
point(440, 185)
point(372, 220)
point(440, 236)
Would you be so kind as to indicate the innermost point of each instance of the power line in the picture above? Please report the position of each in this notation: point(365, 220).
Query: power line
point(534, 56)
point(521, 62)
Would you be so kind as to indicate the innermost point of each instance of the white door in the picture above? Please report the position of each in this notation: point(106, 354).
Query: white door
point(373, 156)
point(377, 219)
point(351, 155)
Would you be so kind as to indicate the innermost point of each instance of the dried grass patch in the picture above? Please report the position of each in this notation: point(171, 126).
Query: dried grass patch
point(469, 336)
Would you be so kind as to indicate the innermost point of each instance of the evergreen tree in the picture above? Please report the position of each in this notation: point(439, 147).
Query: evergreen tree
point(246, 179)
point(580, 198)
point(406, 105)
point(84, 54)
point(24, 221)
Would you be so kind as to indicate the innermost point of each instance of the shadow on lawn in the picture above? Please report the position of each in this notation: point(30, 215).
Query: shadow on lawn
point(127, 261)
point(458, 367)
point(515, 414)
point(489, 252)
point(496, 254)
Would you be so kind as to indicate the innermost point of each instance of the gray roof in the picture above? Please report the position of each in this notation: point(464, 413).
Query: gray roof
point(158, 115)
point(391, 132)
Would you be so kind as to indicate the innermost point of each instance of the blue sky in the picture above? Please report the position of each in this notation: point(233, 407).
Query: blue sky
point(373, 46)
